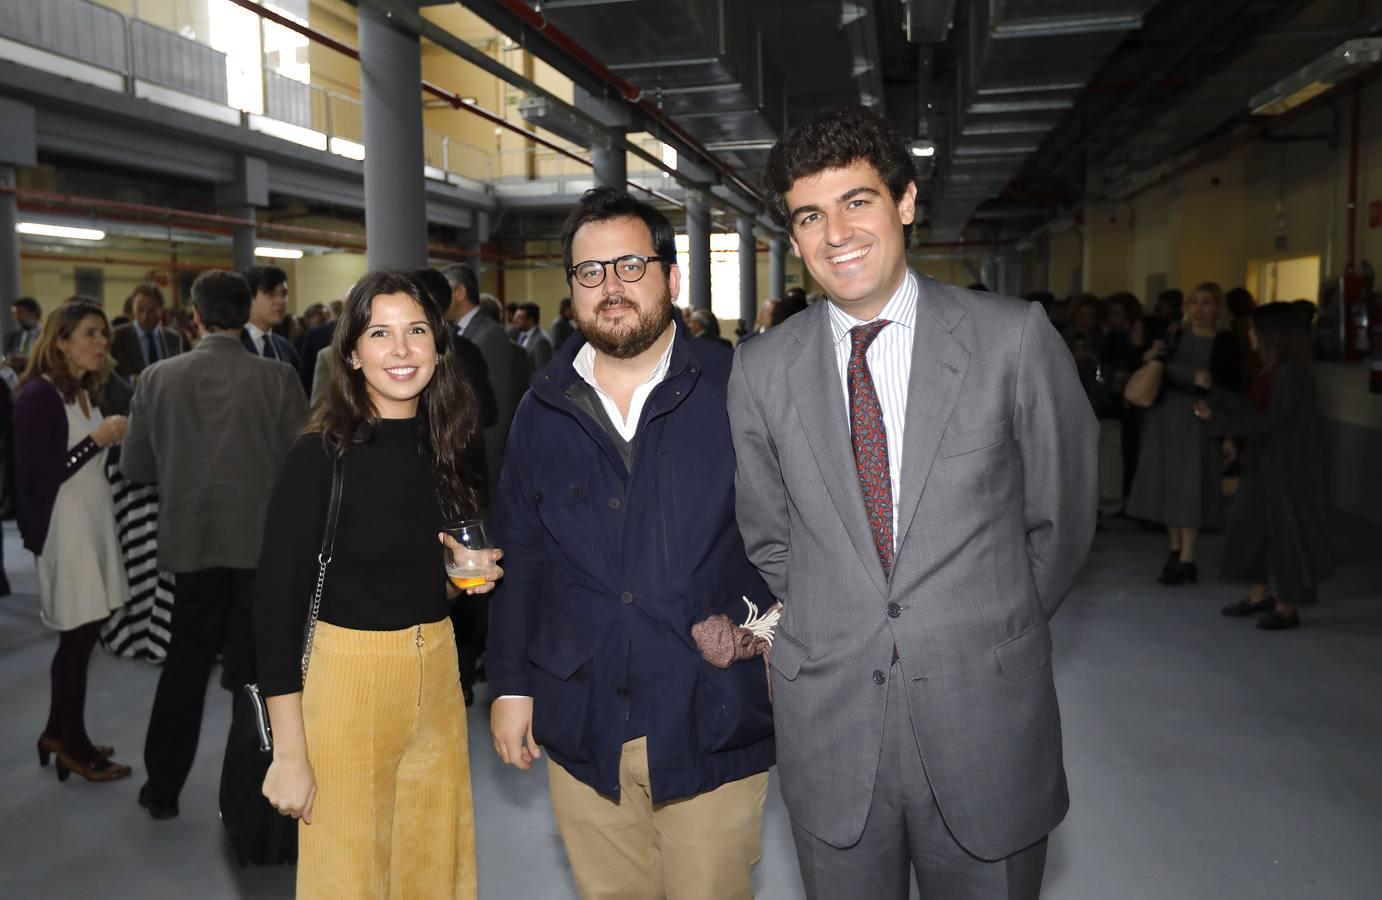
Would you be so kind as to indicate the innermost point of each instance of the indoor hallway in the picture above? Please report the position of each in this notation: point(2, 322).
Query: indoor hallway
point(1206, 759)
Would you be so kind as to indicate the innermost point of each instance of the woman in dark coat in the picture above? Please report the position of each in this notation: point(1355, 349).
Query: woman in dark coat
point(1180, 468)
point(1277, 524)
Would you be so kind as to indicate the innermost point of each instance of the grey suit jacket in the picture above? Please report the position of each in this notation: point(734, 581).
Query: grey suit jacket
point(996, 515)
point(129, 355)
point(211, 428)
point(539, 348)
point(497, 350)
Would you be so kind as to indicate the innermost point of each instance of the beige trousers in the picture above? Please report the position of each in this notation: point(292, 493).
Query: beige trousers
point(699, 848)
point(386, 736)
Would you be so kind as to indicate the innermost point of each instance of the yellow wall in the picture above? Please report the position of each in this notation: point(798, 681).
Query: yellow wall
point(321, 279)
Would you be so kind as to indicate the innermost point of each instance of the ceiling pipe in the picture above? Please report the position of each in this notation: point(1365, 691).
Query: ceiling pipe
point(626, 89)
point(452, 99)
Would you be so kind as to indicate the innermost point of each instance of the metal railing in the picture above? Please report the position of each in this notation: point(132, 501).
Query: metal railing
point(135, 49)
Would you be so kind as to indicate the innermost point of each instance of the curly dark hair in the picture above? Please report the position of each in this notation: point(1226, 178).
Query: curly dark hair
point(447, 405)
point(833, 140)
point(602, 204)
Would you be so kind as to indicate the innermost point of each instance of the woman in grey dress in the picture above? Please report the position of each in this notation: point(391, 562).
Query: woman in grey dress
point(1277, 523)
point(1179, 466)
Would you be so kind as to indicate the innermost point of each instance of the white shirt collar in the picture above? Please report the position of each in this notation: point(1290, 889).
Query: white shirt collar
point(900, 309)
point(464, 320)
point(256, 333)
point(584, 364)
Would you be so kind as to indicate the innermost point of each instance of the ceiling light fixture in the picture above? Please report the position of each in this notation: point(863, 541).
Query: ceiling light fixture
point(41, 229)
point(278, 252)
point(923, 148)
point(1318, 77)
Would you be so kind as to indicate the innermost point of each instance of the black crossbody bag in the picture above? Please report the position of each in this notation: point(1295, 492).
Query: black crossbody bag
point(333, 514)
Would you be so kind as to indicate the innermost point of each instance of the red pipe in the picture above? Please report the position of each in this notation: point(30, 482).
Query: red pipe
point(172, 265)
point(1354, 151)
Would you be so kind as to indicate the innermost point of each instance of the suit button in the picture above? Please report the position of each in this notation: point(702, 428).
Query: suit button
point(578, 492)
point(615, 503)
point(537, 498)
point(894, 610)
point(879, 677)
point(626, 598)
point(621, 692)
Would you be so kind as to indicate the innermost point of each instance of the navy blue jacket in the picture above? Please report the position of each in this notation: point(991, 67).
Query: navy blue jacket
point(608, 569)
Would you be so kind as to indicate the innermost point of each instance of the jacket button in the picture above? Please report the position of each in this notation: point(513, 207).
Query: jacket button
point(615, 503)
point(894, 610)
point(578, 492)
point(626, 598)
point(879, 677)
point(537, 498)
point(621, 692)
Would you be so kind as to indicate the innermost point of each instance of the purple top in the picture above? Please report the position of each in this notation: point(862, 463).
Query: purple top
point(42, 461)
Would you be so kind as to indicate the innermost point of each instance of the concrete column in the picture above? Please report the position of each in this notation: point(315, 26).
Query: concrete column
point(698, 250)
point(9, 247)
point(611, 165)
point(243, 238)
point(395, 190)
point(18, 147)
point(777, 278)
point(748, 270)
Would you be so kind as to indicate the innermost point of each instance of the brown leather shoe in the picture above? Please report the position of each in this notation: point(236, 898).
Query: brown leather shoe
point(98, 769)
point(47, 746)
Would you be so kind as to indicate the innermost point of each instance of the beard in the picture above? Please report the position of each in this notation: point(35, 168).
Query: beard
point(624, 340)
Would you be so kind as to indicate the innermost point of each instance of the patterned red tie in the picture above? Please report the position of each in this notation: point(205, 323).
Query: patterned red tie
point(870, 440)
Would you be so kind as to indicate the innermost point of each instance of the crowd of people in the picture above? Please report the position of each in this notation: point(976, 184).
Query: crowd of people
point(703, 546)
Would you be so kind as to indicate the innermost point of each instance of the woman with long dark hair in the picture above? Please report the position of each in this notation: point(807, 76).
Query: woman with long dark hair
point(1276, 529)
point(67, 517)
point(370, 752)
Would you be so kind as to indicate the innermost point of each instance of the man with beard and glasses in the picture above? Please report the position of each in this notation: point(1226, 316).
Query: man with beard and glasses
point(658, 759)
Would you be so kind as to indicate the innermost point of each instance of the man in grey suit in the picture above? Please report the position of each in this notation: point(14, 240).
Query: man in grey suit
point(530, 335)
point(916, 482)
point(210, 427)
point(494, 344)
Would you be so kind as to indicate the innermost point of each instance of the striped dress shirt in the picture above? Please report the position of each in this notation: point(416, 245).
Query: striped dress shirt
point(889, 360)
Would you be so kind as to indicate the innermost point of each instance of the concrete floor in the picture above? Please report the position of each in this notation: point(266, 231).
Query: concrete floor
point(1206, 759)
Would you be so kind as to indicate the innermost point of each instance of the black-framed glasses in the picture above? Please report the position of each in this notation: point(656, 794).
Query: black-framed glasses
point(628, 269)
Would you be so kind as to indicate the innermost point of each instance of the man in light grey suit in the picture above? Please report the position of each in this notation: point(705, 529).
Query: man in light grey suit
point(210, 427)
point(916, 482)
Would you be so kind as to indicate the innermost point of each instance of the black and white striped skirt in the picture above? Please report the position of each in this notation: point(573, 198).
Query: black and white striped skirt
point(139, 629)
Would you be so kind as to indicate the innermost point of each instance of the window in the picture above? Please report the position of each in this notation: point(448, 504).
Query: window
point(1270, 280)
point(724, 274)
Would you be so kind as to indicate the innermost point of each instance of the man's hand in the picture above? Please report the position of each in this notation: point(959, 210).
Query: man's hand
point(1203, 379)
point(1203, 412)
point(511, 724)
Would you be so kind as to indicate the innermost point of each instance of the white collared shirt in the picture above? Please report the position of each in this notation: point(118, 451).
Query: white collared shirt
point(627, 428)
point(464, 320)
point(889, 359)
point(258, 337)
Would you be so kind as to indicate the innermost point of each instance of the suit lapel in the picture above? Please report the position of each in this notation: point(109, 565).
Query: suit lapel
point(814, 380)
point(939, 363)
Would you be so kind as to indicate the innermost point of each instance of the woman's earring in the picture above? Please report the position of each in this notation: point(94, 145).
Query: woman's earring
point(438, 359)
point(355, 362)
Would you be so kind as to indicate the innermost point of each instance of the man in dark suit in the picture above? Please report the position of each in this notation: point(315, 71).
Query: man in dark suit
point(28, 315)
point(269, 288)
point(703, 326)
point(144, 341)
point(917, 483)
point(317, 339)
point(210, 428)
point(530, 335)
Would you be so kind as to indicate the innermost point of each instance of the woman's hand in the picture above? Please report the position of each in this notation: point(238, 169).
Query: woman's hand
point(290, 787)
point(492, 573)
point(110, 431)
point(1155, 352)
point(1203, 379)
point(1203, 412)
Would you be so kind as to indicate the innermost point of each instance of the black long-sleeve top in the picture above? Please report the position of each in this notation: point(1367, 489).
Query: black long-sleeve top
point(387, 571)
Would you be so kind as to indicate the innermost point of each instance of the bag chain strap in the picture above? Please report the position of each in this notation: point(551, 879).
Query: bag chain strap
point(324, 559)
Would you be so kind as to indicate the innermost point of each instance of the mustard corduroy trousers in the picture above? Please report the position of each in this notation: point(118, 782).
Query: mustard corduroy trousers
point(386, 736)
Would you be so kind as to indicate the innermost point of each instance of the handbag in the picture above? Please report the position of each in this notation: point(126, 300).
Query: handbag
point(1144, 385)
point(258, 833)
